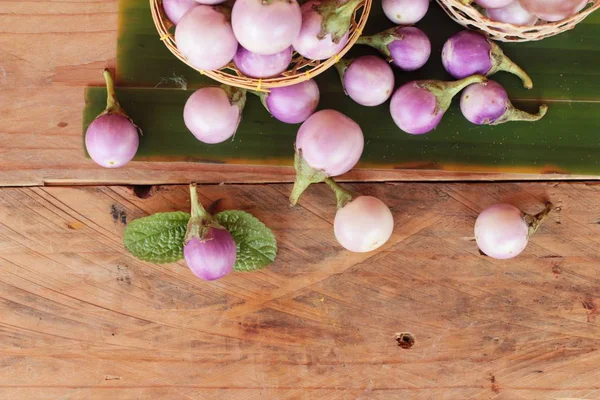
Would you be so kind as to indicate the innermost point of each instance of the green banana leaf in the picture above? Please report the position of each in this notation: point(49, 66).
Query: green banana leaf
point(564, 70)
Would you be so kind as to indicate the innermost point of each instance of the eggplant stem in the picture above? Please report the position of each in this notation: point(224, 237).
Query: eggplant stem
point(112, 104)
point(262, 96)
point(201, 221)
point(342, 195)
point(445, 91)
point(305, 176)
point(381, 41)
point(336, 18)
point(365, 40)
point(341, 67)
point(514, 114)
point(535, 221)
point(501, 62)
point(255, 92)
point(300, 186)
point(198, 210)
point(454, 88)
point(237, 96)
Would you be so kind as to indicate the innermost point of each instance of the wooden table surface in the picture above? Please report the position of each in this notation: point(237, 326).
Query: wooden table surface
point(82, 319)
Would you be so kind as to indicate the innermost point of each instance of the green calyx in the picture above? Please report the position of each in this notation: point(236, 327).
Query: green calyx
point(381, 41)
point(535, 221)
point(514, 114)
point(341, 67)
point(237, 96)
point(112, 103)
point(446, 91)
point(262, 96)
point(305, 176)
point(336, 17)
point(201, 221)
point(501, 62)
point(342, 195)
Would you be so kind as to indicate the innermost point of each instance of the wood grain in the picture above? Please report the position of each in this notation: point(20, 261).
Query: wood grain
point(81, 319)
point(50, 51)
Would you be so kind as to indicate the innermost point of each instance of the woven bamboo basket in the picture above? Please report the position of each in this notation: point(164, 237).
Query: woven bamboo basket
point(300, 70)
point(470, 17)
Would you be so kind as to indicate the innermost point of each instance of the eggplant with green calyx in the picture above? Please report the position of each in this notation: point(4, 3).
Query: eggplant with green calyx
point(203, 240)
point(112, 139)
point(468, 53)
point(368, 80)
point(209, 249)
point(362, 223)
point(325, 28)
point(488, 104)
point(418, 106)
point(407, 47)
point(328, 144)
point(502, 231)
point(291, 104)
point(213, 114)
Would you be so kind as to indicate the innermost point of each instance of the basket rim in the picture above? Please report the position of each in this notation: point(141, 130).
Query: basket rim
point(298, 74)
point(469, 16)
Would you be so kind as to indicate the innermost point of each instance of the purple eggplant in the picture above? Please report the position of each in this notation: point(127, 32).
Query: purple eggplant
point(325, 28)
point(368, 80)
point(292, 104)
point(418, 106)
point(261, 66)
point(209, 249)
point(488, 104)
point(468, 53)
point(407, 47)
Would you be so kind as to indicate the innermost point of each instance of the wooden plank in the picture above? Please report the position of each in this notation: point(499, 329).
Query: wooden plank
point(90, 322)
point(48, 54)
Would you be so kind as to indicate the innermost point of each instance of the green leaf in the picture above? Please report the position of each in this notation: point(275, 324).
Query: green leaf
point(564, 70)
point(157, 238)
point(256, 244)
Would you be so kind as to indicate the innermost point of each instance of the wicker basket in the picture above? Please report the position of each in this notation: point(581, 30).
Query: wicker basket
point(470, 17)
point(300, 70)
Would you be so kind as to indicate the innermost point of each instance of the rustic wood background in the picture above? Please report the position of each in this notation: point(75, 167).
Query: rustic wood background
point(82, 319)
